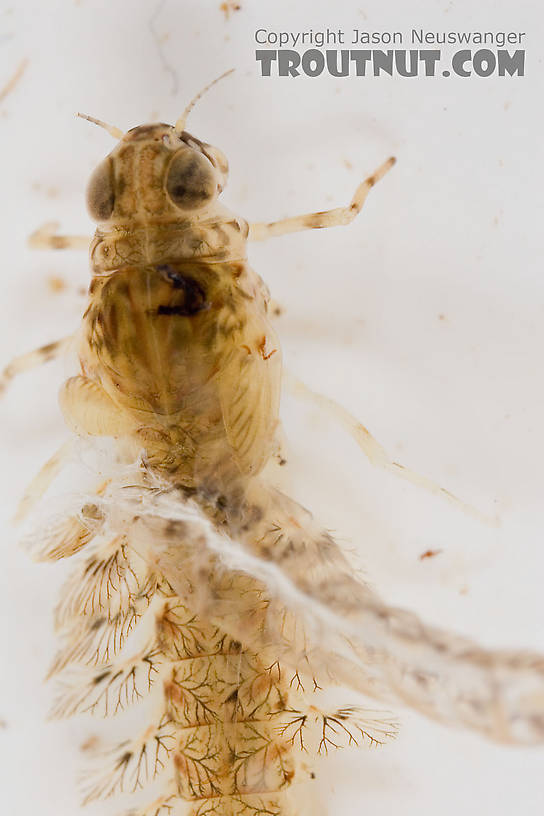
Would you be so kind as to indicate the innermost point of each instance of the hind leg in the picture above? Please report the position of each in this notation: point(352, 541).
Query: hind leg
point(43, 480)
point(374, 452)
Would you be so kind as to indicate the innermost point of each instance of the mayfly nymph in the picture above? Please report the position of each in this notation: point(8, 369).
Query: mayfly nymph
point(197, 582)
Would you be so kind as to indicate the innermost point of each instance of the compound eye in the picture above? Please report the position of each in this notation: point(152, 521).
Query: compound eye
point(191, 181)
point(100, 192)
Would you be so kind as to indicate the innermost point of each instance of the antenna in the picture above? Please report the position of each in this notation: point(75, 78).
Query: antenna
point(180, 124)
point(112, 130)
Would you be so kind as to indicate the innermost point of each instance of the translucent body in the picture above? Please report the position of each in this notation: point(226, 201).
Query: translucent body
point(179, 362)
point(197, 582)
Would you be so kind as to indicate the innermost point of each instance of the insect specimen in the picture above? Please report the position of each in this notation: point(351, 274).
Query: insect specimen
point(197, 584)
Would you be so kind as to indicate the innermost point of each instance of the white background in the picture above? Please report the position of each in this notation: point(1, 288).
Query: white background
point(425, 318)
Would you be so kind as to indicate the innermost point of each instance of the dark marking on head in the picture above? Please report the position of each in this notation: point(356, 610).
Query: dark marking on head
point(156, 131)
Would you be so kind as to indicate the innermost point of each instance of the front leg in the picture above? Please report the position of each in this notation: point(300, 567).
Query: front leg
point(46, 237)
point(89, 411)
point(318, 220)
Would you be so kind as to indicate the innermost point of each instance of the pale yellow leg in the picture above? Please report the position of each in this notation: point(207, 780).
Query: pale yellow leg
point(33, 359)
point(374, 452)
point(89, 410)
point(46, 237)
point(42, 480)
point(318, 220)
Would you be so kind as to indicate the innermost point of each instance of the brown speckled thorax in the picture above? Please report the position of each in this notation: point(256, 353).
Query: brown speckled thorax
point(176, 336)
